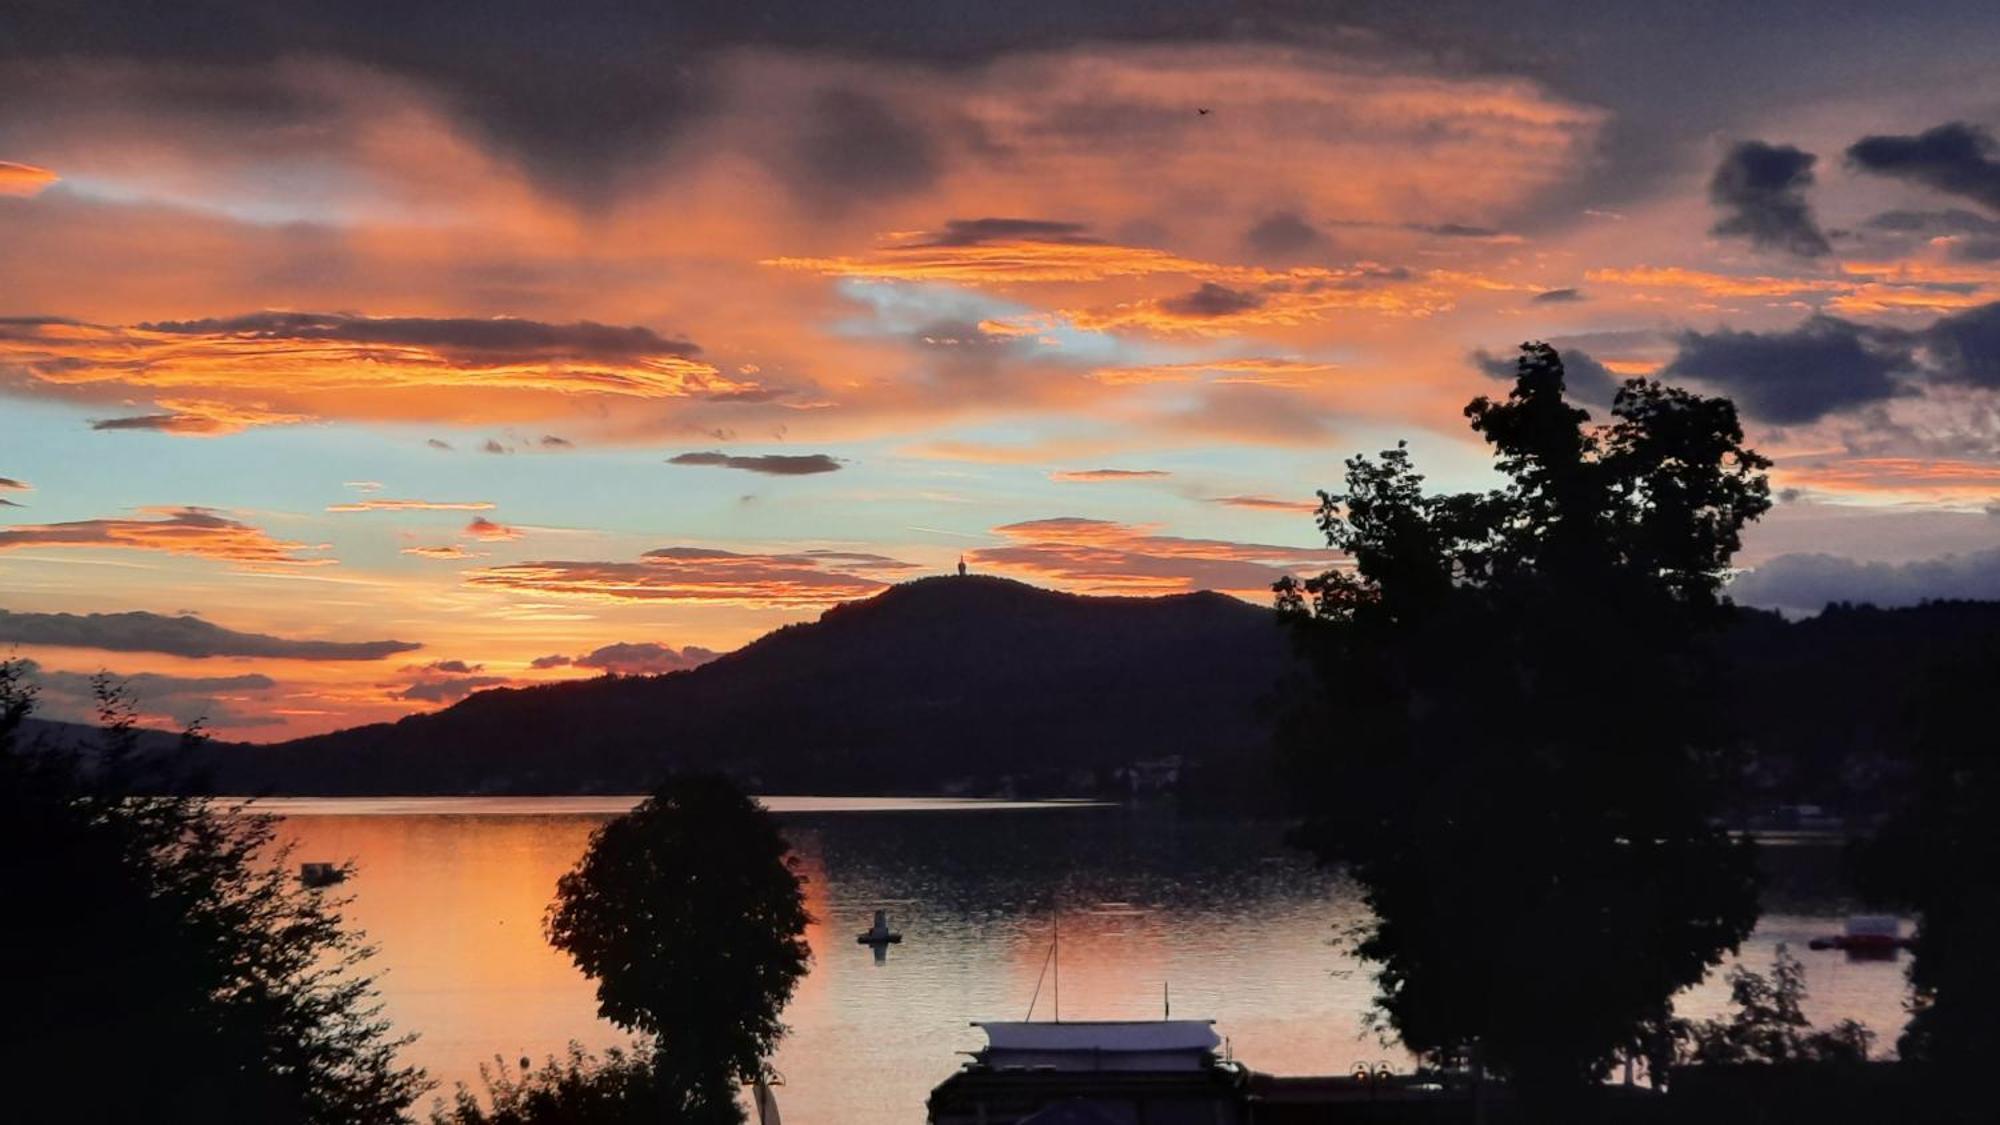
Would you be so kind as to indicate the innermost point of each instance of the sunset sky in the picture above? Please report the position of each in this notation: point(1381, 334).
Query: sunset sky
point(420, 348)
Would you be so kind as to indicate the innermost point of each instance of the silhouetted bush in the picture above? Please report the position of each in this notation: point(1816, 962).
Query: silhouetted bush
point(1769, 1025)
point(578, 1089)
point(159, 964)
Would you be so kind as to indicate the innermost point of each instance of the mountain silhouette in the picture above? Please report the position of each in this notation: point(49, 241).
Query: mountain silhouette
point(967, 683)
point(983, 685)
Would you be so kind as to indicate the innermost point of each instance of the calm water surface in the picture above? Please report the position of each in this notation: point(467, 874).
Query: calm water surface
point(1240, 929)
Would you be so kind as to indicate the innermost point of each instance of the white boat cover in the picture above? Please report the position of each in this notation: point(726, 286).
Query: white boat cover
point(1101, 1045)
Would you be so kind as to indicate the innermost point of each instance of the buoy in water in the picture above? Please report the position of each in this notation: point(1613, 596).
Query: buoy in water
point(879, 933)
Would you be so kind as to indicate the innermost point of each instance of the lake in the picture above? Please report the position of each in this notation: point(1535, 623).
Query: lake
point(1217, 917)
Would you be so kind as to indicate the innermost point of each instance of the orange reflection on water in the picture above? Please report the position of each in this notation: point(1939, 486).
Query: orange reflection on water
point(453, 905)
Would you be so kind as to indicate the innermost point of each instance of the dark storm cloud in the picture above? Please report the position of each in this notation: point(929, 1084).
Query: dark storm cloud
point(852, 146)
point(1932, 223)
point(644, 658)
point(168, 423)
point(1957, 157)
point(1761, 190)
point(489, 339)
point(1824, 365)
point(1805, 583)
point(1585, 379)
point(72, 696)
point(140, 631)
point(1973, 238)
point(1284, 235)
point(1435, 230)
point(583, 95)
point(1557, 296)
point(1211, 300)
point(1965, 347)
point(586, 94)
point(978, 232)
point(1454, 230)
point(774, 464)
point(447, 689)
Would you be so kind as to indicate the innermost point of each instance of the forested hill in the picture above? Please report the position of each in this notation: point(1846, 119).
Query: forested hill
point(985, 685)
point(935, 683)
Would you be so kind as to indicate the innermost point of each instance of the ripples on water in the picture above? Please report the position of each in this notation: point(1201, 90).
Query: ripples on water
point(1239, 928)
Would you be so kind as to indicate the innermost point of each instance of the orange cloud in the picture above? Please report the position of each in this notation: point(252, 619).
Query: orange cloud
point(200, 418)
point(1102, 556)
point(1085, 476)
point(1269, 372)
point(180, 531)
point(1908, 479)
point(1867, 287)
point(1301, 298)
point(1716, 284)
point(450, 551)
point(1266, 503)
point(24, 179)
point(484, 529)
point(1227, 297)
point(703, 575)
point(220, 375)
point(1002, 262)
point(412, 506)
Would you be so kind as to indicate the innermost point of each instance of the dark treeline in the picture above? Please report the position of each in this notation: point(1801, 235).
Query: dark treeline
point(988, 686)
point(985, 685)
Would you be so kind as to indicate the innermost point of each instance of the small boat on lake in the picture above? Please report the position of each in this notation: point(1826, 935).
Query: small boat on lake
point(321, 874)
point(879, 934)
point(1867, 935)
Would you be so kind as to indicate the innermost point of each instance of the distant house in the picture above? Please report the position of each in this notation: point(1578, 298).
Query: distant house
point(1151, 1072)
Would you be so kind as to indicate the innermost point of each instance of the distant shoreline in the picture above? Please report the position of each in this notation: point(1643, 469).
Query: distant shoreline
point(614, 804)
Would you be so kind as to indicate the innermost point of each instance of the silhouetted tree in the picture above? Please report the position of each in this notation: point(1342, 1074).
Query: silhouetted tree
point(1513, 742)
point(1769, 1024)
point(1940, 856)
point(580, 1089)
point(157, 961)
point(688, 913)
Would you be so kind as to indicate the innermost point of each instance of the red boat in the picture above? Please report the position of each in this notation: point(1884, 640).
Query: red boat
point(1868, 935)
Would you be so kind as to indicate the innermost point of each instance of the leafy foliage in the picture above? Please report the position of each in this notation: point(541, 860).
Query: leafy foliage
point(1940, 855)
point(1511, 735)
point(165, 930)
point(579, 1089)
point(1769, 1024)
point(688, 912)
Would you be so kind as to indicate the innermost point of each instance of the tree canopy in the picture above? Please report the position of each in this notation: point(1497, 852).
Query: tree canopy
point(1511, 735)
point(1939, 854)
point(689, 914)
point(1769, 1025)
point(159, 962)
